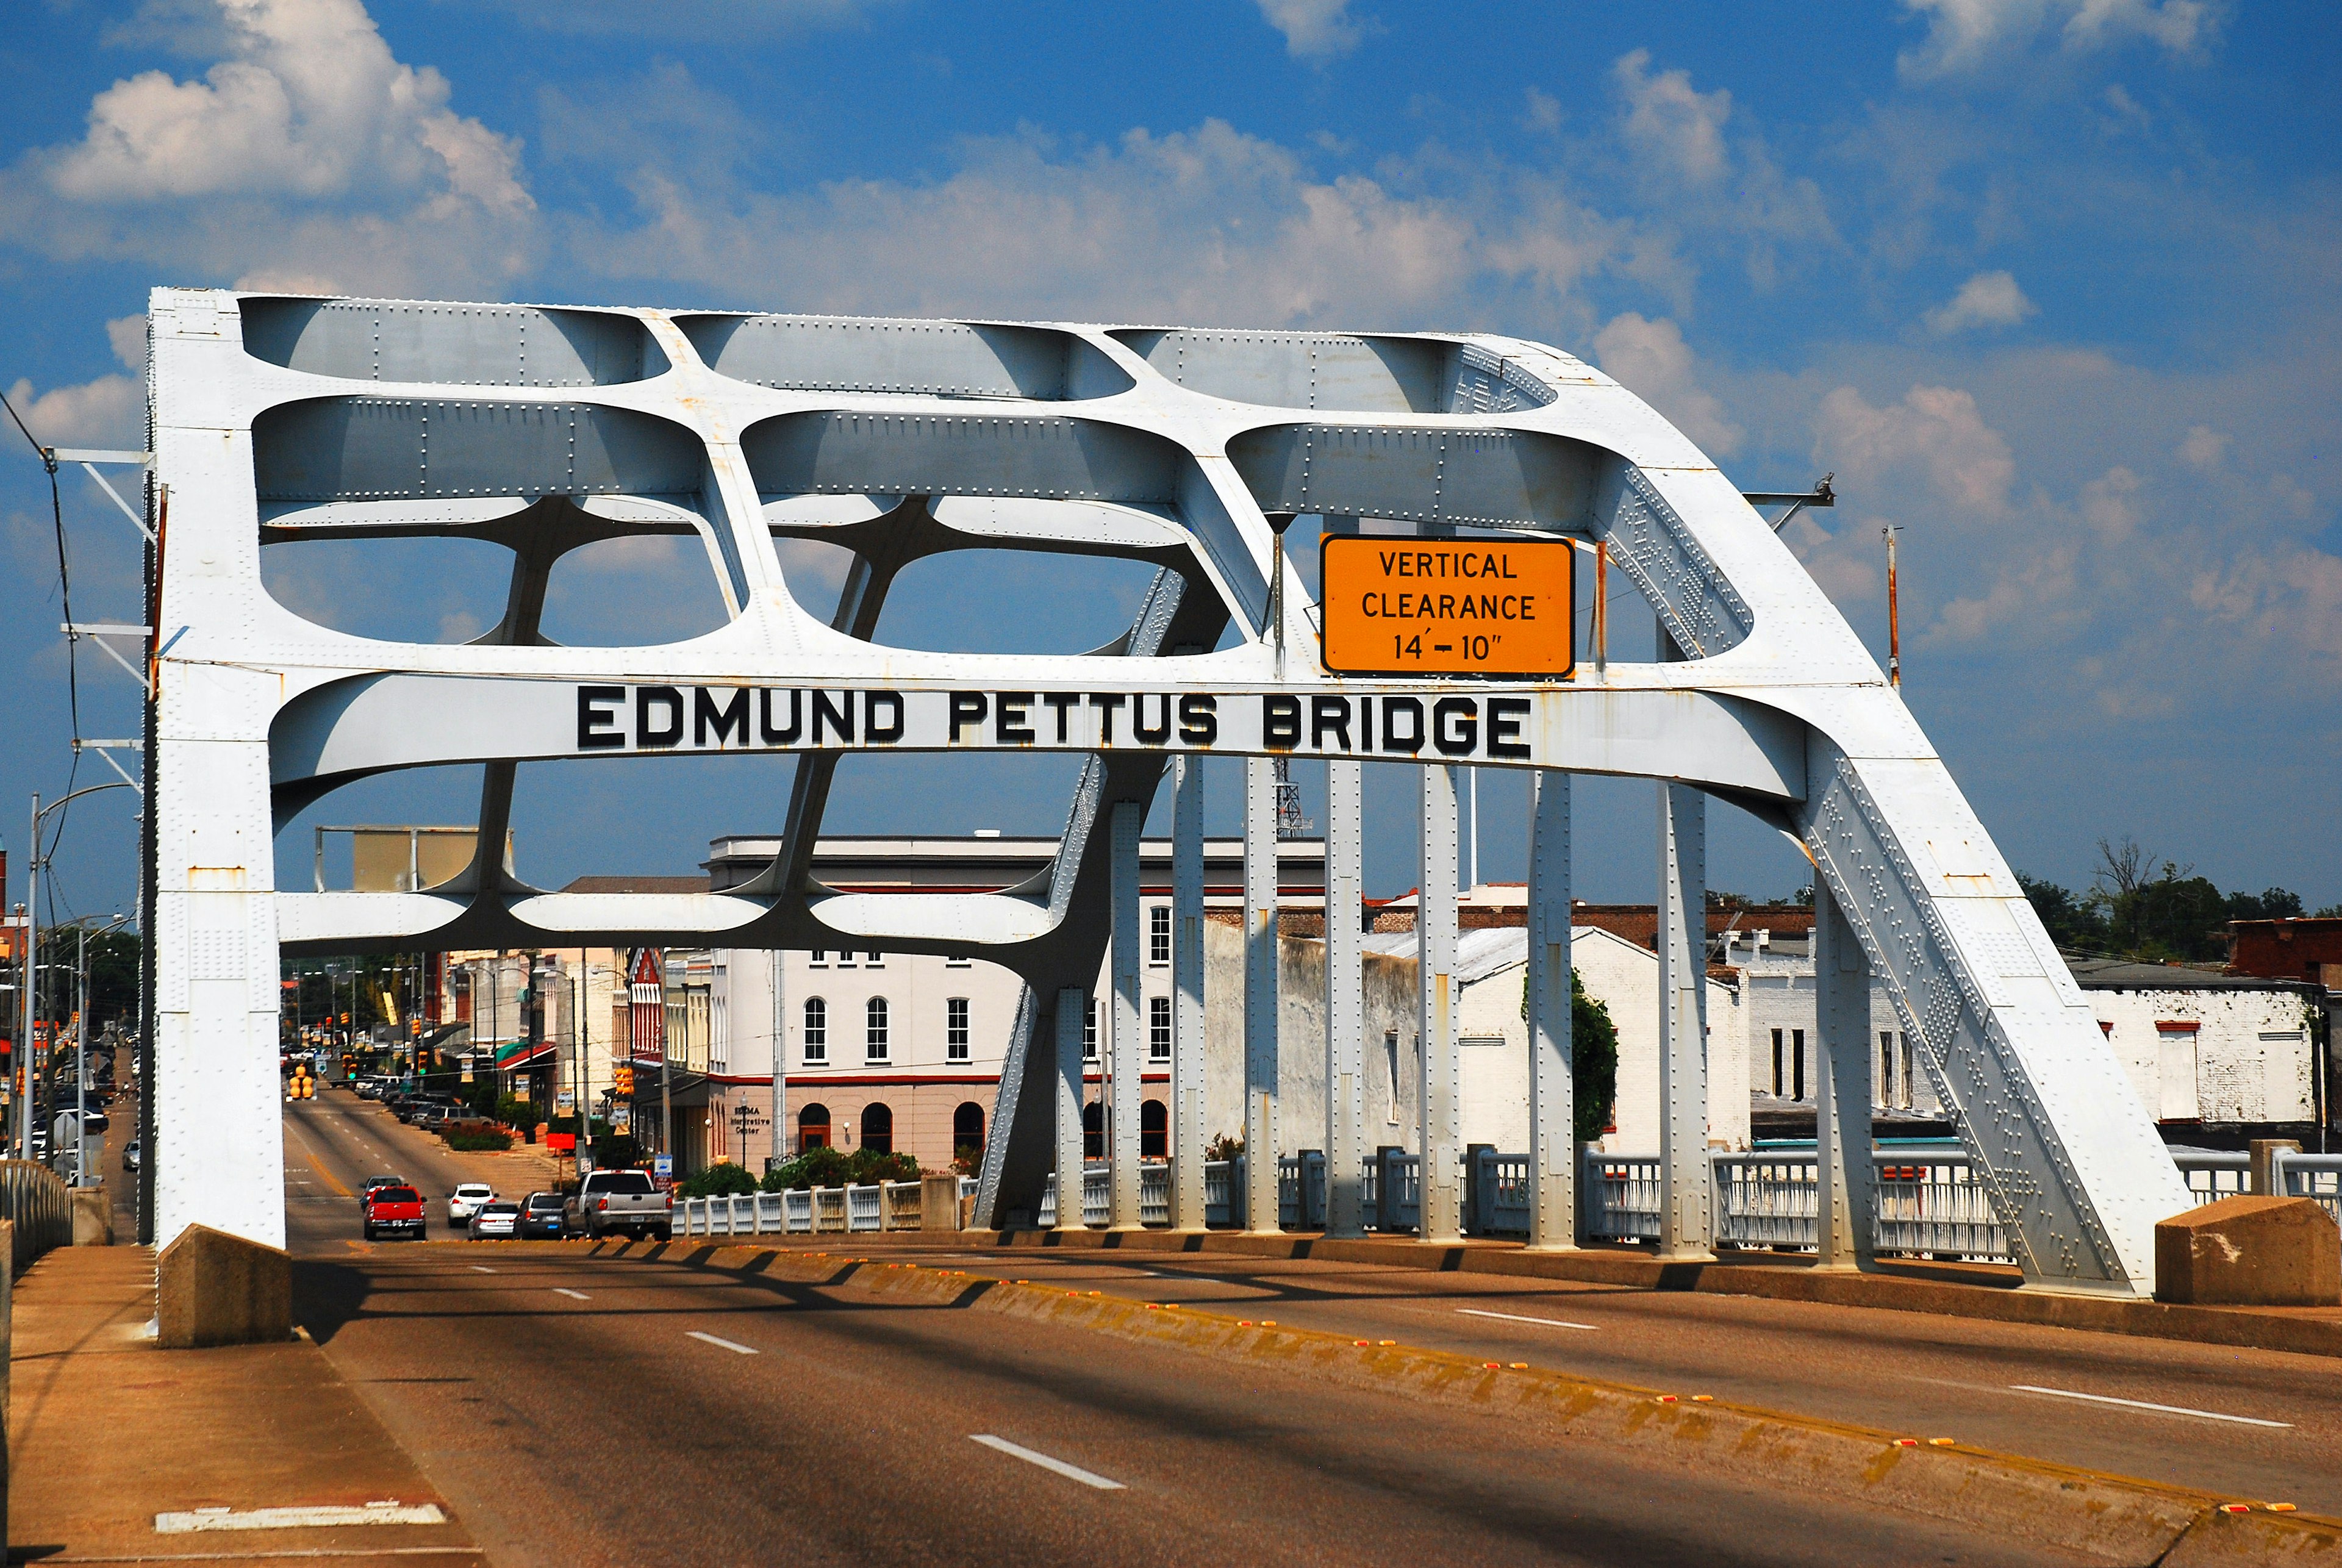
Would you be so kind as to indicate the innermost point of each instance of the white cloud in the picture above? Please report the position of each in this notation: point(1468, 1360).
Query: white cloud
point(110, 411)
point(309, 148)
point(1542, 112)
point(2205, 449)
point(1671, 123)
point(2110, 505)
point(1935, 434)
point(1316, 29)
point(1988, 299)
point(126, 336)
point(1962, 35)
point(1651, 359)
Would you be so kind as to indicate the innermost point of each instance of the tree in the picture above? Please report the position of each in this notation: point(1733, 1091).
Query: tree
point(1593, 1059)
point(2271, 904)
point(2072, 919)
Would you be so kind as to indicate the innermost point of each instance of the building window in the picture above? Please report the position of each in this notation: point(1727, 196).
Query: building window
point(1093, 1130)
point(1158, 934)
point(874, 1039)
point(1798, 1060)
point(1089, 1033)
point(955, 1029)
point(1153, 1131)
point(816, 1031)
point(959, 963)
point(813, 1128)
point(1885, 1095)
point(1158, 1029)
point(817, 959)
point(967, 1135)
point(1390, 1060)
point(873, 961)
point(1777, 1063)
point(879, 1128)
point(1903, 1084)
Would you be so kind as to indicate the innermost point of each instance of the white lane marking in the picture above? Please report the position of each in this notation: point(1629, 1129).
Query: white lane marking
point(1515, 1317)
point(390, 1513)
point(720, 1344)
point(1070, 1471)
point(573, 1296)
point(482, 1269)
point(2143, 1405)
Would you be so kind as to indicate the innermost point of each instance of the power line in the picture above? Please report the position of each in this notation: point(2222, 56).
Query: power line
point(72, 678)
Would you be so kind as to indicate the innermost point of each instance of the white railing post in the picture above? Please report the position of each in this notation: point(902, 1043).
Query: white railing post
point(1440, 1204)
point(1847, 1196)
point(1345, 1000)
point(1188, 1132)
point(1553, 1133)
point(1128, 1048)
point(1686, 1223)
point(1260, 994)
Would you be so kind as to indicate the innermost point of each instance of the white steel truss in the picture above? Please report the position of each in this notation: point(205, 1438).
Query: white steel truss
point(544, 429)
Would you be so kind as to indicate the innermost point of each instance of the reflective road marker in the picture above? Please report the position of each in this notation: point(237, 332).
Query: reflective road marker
point(482, 1269)
point(1515, 1317)
point(1070, 1471)
point(573, 1296)
point(2143, 1405)
point(720, 1344)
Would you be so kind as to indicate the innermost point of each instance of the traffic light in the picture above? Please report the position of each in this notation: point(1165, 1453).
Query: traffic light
point(623, 1080)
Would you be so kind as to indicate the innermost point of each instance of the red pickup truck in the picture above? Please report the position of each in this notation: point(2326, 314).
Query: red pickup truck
point(393, 1210)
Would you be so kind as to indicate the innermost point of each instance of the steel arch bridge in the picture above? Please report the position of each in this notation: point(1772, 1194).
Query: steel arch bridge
point(545, 429)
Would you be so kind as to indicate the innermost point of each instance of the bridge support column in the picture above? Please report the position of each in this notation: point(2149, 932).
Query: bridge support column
point(1128, 1048)
point(1846, 1201)
point(1686, 1225)
point(1442, 1213)
point(1073, 1012)
point(1260, 995)
point(1346, 1000)
point(1553, 1134)
point(1187, 1130)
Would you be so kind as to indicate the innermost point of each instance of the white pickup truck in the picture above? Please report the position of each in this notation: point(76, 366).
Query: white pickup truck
point(627, 1201)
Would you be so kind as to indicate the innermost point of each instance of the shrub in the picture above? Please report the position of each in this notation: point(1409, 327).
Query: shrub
point(479, 1142)
point(1594, 1059)
point(827, 1167)
point(723, 1180)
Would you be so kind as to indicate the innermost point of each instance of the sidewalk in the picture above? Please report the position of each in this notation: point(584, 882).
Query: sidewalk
point(105, 1433)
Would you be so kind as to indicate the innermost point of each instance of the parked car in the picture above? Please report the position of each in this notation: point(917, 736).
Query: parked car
point(467, 1200)
point(130, 1155)
point(627, 1201)
point(500, 1219)
point(543, 1215)
point(391, 1211)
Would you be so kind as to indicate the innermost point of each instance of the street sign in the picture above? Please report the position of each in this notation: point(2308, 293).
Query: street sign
point(564, 1102)
point(622, 1117)
point(1449, 606)
point(663, 1166)
point(561, 1143)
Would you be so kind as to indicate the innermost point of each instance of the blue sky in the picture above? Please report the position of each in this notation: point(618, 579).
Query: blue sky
point(2050, 284)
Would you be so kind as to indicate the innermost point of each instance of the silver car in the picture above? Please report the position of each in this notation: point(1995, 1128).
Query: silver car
point(499, 1219)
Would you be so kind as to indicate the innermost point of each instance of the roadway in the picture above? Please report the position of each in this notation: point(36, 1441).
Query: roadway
point(581, 1410)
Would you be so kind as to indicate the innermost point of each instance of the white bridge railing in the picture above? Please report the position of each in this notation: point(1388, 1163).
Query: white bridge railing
point(1928, 1201)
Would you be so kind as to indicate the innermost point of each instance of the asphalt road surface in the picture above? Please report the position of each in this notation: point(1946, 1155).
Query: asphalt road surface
point(582, 1410)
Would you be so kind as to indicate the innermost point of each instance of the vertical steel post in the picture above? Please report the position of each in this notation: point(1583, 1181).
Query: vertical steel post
point(1441, 1217)
point(1553, 1136)
point(1846, 1203)
point(1684, 1199)
point(28, 1001)
point(1129, 1051)
point(1187, 1131)
point(1073, 1011)
point(1346, 1000)
point(780, 1056)
point(1260, 995)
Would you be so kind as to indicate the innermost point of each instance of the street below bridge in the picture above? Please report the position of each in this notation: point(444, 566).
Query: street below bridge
point(578, 1408)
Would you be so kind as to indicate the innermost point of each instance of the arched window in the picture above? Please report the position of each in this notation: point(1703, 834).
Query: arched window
point(874, 1044)
point(967, 1132)
point(879, 1128)
point(813, 1128)
point(816, 1030)
point(1154, 1130)
point(1093, 1130)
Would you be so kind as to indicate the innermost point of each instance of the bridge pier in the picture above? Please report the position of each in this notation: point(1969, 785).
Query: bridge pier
point(1845, 1212)
point(1553, 1135)
point(1127, 1050)
point(1685, 1202)
point(1187, 1125)
point(1073, 1010)
point(1346, 1000)
point(1260, 995)
point(1441, 1214)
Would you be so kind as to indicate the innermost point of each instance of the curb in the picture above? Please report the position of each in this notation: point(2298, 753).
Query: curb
point(2058, 1505)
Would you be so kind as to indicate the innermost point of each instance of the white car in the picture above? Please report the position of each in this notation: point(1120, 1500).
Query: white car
point(469, 1199)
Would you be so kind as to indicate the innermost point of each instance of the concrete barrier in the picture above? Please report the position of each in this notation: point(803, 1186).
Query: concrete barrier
point(212, 1288)
point(2249, 1251)
point(939, 1202)
point(93, 1217)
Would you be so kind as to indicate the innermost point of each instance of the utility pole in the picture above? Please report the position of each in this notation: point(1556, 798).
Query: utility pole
point(1893, 614)
point(780, 1061)
point(32, 978)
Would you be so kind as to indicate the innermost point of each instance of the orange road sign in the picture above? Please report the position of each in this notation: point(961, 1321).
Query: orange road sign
point(1449, 606)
